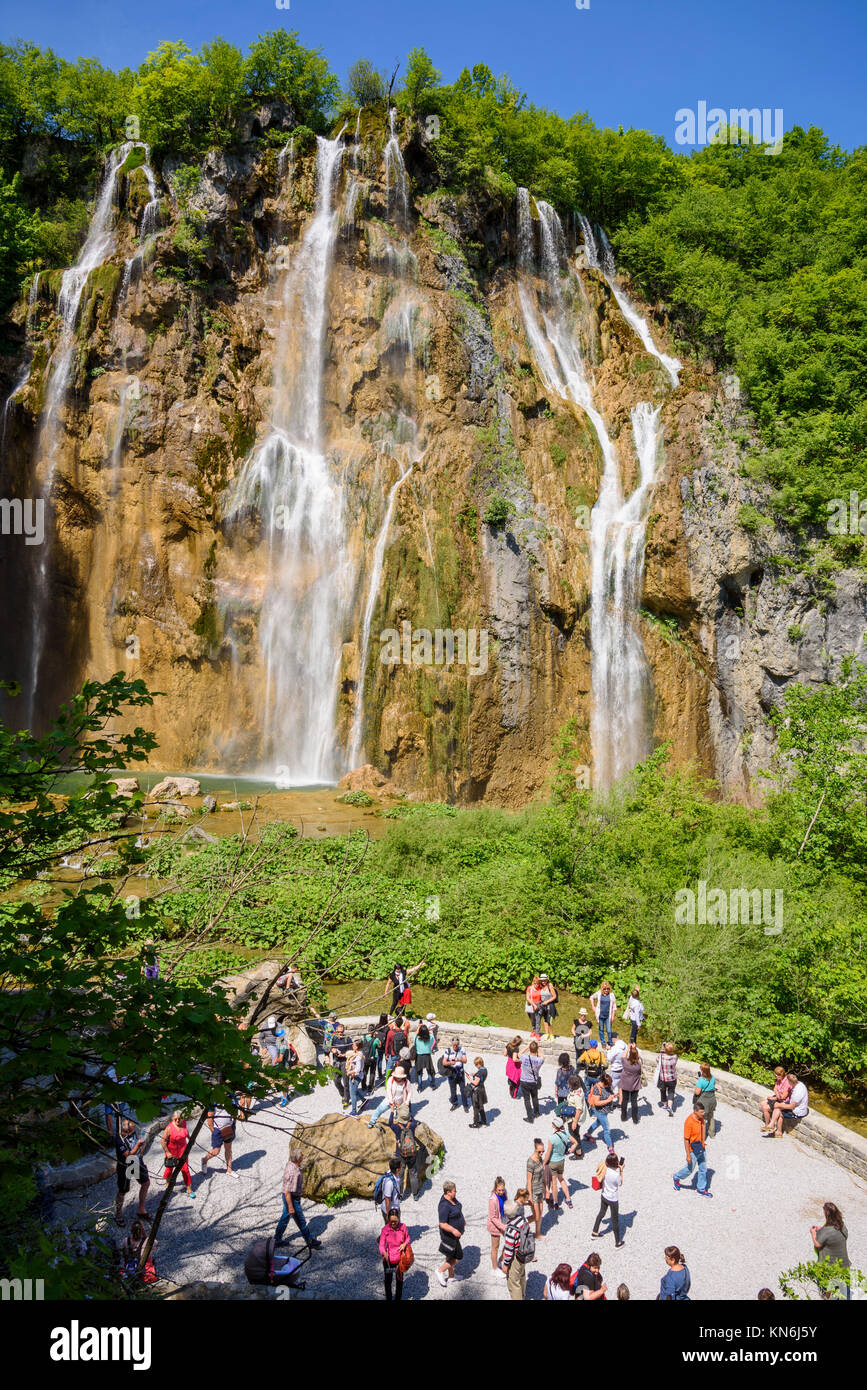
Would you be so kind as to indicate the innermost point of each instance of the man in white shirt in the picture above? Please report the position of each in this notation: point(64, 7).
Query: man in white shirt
point(615, 1054)
point(795, 1109)
point(390, 1189)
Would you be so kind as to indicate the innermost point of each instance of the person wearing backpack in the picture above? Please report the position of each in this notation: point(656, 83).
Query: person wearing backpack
point(371, 1047)
point(601, 1100)
point(519, 1248)
point(393, 1247)
point(587, 1281)
point(592, 1059)
point(409, 1150)
point(423, 1046)
point(355, 1075)
point(386, 1193)
point(580, 1112)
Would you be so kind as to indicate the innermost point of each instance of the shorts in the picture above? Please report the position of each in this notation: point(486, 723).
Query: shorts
point(123, 1182)
point(557, 1169)
point(217, 1139)
point(537, 1192)
point(792, 1121)
point(548, 1012)
point(453, 1251)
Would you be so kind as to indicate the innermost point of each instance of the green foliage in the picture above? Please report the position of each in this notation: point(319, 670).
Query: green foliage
point(498, 511)
point(365, 84)
point(827, 1278)
point(820, 771)
point(764, 261)
point(751, 519)
point(74, 1000)
point(18, 238)
point(337, 1197)
point(420, 84)
point(357, 798)
point(278, 65)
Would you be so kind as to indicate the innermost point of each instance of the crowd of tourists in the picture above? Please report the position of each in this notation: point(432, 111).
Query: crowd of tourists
point(603, 1074)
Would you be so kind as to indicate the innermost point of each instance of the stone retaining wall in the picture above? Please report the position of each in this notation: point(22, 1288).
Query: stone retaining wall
point(844, 1146)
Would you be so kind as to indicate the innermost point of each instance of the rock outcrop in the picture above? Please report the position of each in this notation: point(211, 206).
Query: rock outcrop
point(339, 1151)
point(171, 389)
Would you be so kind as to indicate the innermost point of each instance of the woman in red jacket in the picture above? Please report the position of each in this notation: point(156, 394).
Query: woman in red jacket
point(393, 1241)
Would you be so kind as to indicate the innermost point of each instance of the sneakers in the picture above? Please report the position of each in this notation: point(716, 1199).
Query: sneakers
point(284, 1101)
point(190, 1192)
point(618, 1244)
point(314, 1244)
point(676, 1183)
point(703, 1192)
point(442, 1278)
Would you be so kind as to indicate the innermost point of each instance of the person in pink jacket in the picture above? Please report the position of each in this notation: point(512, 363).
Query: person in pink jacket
point(393, 1240)
point(497, 1223)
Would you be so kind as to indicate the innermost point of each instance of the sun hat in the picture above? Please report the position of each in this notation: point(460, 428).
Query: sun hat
point(558, 1124)
point(582, 1012)
point(542, 977)
point(431, 1018)
point(403, 1112)
point(399, 1073)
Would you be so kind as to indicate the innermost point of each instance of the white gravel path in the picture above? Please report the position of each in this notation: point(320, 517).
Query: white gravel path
point(767, 1193)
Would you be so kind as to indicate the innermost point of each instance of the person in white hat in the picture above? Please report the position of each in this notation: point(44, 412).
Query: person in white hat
point(398, 1092)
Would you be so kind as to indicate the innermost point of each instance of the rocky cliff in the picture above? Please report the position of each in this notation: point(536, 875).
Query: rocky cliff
point(154, 563)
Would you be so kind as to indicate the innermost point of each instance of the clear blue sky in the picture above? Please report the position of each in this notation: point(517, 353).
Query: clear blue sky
point(629, 62)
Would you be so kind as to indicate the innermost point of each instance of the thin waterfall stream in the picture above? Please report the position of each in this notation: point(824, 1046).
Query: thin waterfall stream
point(620, 725)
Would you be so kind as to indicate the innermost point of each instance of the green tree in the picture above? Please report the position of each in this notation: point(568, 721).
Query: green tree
point(171, 96)
point(820, 769)
point(277, 65)
point(365, 85)
point(422, 79)
point(18, 238)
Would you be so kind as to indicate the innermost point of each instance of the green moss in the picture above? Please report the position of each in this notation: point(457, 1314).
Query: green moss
point(752, 520)
point(558, 455)
point(468, 520)
point(134, 160)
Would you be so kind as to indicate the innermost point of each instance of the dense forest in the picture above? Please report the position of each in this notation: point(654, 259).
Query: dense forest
point(760, 259)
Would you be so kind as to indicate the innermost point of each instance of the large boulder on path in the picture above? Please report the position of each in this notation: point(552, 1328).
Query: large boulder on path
point(339, 1151)
point(172, 787)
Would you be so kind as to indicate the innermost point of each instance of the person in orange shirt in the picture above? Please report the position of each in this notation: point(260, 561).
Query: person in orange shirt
point(696, 1158)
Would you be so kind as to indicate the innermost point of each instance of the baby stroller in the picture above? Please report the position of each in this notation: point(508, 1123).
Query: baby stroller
point(264, 1264)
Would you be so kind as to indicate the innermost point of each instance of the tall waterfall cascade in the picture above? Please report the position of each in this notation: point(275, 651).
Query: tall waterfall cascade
point(288, 480)
point(620, 724)
point(98, 246)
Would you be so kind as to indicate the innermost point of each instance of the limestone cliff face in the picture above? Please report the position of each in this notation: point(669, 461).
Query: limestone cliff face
point(426, 363)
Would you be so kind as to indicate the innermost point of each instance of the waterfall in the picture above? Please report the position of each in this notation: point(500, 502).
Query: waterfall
point(355, 742)
point(150, 226)
point(620, 734)
point(396, 182)
point(602, 259)
point(288, 480)
point(95, 251)
point(286, 161)
point(620, 723)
